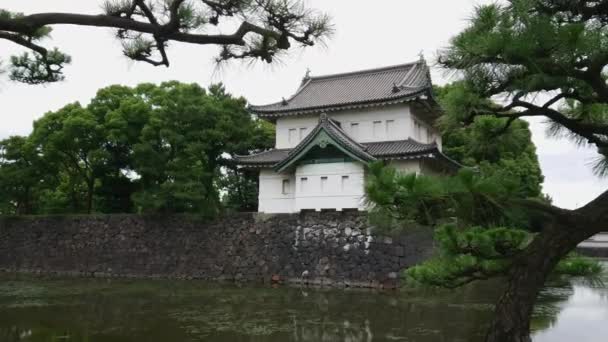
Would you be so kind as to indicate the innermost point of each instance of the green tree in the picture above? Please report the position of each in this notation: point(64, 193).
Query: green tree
point(543, 58)
point(23, 174)
point(241, 186)
point(478, 232)
point(241, 190)
point(186, 141)
point(473, 198)
point(73, 138)
point(267, 29)
point(485, 143)
point(150, 148)
point(123, 112)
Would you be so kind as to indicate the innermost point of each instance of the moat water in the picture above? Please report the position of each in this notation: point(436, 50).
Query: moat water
point(94, 310)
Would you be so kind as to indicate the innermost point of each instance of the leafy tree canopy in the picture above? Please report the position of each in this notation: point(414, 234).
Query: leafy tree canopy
point(486, 143)
point(22, 173)
point(541, 59)
point(149, 148)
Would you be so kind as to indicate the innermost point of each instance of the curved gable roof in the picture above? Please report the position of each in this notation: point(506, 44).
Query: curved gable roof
point(327, 128)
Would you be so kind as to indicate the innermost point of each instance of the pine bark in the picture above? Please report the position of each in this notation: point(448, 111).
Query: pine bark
point(560, 236)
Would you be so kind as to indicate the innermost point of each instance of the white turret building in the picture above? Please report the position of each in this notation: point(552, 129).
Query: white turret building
point(335, 125)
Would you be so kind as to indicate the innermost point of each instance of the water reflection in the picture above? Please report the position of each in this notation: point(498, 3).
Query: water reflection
point(37, 310)
point(583, 316)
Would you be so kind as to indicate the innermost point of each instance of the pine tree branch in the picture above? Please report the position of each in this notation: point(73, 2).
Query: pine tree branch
point(28, 24)
point(18, 39)
point(596, 210)
point(596, 134)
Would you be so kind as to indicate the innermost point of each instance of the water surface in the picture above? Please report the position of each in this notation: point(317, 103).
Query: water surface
point(94, 310)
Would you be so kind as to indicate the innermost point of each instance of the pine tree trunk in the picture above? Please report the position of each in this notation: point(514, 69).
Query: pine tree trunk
point(514, 308)
point(560, 236)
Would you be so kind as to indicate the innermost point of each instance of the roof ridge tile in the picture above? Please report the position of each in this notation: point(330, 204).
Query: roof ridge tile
point(364, 71)
point(363, 87)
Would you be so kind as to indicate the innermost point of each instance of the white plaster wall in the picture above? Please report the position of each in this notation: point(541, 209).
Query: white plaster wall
point(285, 124)
point(439, 141)
point(271, 197)
point(407, 166)
point(401, 128)
point(334, 194)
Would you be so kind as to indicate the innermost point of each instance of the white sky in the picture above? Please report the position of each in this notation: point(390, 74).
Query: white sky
point(389, 32)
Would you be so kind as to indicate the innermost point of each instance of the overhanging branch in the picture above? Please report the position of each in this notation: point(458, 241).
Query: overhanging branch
point(596, 134)
point(28, 24)
point(17, 39)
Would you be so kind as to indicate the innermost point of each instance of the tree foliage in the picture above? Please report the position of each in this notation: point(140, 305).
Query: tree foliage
point(474, 198)
point(23, 173)
point(241, 190)
point(485, 143)
point(503, 167)
point(73, 138)
point(241, 186)
point(265, 29)
point(475, 253)
point(547, 59)
point(150, 148)
point(480, 224)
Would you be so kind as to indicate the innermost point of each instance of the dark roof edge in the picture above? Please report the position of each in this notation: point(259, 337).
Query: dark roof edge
point(400, 156)
point(236, 156)
point(364, 71)
point(346, 106)
point(456, 165)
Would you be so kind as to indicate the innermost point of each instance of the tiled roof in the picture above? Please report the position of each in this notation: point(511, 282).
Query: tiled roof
point(366, 152)
point(379, 150)
point(266, 158)
point(399, 148)
point(376, 86)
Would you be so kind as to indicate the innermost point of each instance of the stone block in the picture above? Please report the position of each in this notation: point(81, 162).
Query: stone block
point(338, 247)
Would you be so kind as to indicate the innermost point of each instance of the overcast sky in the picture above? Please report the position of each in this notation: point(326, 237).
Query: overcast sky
point(389, 32)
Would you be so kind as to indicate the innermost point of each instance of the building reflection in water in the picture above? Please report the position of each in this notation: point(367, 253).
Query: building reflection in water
point(120, 311)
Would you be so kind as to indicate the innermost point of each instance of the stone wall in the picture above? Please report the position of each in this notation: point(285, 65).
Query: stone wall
point(329, 248)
